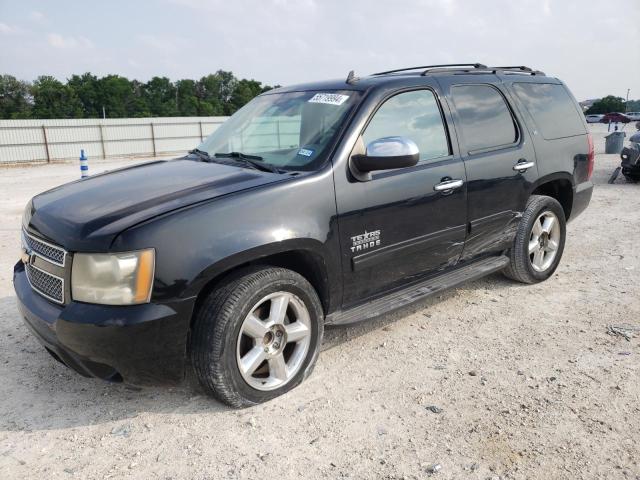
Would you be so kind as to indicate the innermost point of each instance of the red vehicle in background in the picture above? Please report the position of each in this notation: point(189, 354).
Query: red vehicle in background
point(615, 118)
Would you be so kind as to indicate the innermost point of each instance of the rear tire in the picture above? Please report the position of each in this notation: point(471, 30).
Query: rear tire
point(539, 242)
point(257, 336)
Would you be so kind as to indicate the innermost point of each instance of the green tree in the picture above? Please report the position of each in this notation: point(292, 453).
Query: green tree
point(15, 98)
point(137, 105)
point(214, 91)
point(53, 99)
point(243, 92)
point(187, 98)
point(607, 104)
point(633, 106)
point(87, 88)
point(161, 97)
point(117, 96)
point(86, 95)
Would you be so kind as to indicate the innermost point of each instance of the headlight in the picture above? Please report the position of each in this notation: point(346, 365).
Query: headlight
point(26, 214)
point(113, 278)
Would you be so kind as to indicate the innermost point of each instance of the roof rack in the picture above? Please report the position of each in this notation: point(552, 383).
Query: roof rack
point(449, 65)
point(519, 69)
point(464, 68)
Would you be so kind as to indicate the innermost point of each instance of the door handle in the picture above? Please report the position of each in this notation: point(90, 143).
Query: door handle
point(448, 185)
point(523, 165)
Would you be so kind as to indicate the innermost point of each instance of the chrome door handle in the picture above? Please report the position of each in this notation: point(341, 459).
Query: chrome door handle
point(448, 185)
point(523, 166)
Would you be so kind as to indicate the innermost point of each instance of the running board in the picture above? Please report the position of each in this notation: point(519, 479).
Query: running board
point(417, 291)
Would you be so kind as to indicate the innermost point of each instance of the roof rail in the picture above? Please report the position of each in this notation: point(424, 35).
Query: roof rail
point(447, 68)
point(519, 69)
point(464, 68)
point(445, 65)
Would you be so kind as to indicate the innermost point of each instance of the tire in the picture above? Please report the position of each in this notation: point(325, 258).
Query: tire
point(534, 256)
point(631, 178)
point(238, 359)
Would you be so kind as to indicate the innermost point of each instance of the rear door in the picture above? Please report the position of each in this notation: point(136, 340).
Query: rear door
point(498, 156)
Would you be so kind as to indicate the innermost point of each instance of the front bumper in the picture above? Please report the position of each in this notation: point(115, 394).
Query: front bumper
point(140, 344)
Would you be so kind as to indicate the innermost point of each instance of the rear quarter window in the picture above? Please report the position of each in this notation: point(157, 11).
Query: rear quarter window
point(485, 118)
point(552, 108)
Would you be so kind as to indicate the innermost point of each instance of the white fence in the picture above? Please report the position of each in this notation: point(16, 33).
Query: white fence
point(43, 141)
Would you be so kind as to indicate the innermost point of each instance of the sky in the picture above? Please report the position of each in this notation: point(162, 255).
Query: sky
point(592, 45)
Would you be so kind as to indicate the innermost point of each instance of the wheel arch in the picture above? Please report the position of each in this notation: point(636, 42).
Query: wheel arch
point(303, 258)
point(559, 186)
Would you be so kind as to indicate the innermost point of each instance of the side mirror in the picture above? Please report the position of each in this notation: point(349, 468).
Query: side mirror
point(387, 153)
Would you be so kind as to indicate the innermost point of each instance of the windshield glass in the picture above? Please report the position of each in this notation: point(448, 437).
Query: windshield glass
point(292, 131)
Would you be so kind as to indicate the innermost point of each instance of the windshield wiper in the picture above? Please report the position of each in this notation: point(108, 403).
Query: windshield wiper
point(201, 154)
point(253, 160)
point(237, 155)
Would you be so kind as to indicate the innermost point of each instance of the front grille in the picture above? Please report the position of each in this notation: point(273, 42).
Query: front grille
point(45, 250)
point(45, 284)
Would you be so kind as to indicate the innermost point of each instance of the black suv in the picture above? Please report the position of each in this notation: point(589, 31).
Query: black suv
point(325, 203)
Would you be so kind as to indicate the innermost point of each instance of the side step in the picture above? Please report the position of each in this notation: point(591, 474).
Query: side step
point(417, 291)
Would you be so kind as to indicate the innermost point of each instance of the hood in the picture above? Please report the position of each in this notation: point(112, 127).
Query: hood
point(88, 214)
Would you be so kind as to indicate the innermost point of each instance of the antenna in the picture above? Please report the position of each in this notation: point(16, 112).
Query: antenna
point(351, 78)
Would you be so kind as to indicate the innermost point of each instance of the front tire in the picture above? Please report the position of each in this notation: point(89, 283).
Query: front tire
point(539, 242)
point(257, 336)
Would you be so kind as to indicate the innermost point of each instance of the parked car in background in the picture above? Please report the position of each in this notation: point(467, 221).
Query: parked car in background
point(634, 116)
point(594, 118)
point(615, 117)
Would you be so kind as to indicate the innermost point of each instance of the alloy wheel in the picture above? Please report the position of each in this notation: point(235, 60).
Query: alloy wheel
point(273, 341)
point(544, 241)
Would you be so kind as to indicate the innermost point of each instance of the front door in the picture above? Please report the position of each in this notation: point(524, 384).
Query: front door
point(401, 224)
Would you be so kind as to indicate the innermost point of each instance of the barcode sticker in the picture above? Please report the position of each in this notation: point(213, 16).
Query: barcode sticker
point(329, 98)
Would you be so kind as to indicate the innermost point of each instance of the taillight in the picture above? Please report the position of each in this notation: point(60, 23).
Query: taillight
point(591, 157)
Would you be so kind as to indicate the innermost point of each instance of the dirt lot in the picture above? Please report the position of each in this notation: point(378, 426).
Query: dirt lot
point(526, 380)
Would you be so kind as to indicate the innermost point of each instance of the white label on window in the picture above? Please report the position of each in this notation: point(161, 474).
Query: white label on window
point(329, 98)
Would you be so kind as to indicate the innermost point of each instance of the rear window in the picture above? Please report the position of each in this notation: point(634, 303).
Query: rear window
point(552, 109)
point(485, 118)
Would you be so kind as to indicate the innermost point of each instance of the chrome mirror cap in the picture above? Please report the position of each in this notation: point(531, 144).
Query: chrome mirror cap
point(385, 154)
point(392, 147)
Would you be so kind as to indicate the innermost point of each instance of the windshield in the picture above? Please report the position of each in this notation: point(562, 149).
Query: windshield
point(291, 131)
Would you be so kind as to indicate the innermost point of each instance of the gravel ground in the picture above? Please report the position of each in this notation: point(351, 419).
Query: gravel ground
point(490, 380)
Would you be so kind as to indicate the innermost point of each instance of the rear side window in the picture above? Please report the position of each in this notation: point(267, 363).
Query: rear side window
point(414, 115)
point(552, 109)
point(485, 118)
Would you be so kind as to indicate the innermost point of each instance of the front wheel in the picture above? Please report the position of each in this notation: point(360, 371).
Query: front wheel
point(539, 242)
point(257, 336)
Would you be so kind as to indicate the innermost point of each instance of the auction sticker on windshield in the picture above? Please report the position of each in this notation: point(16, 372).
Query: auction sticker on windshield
point(329, 98)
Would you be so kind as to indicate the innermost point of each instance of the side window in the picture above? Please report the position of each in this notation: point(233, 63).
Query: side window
point(551, 107)
point(485, 119)
point(414, 115)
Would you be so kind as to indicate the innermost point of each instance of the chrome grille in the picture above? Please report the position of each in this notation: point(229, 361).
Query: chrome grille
point(45, 250)
point(45, 284)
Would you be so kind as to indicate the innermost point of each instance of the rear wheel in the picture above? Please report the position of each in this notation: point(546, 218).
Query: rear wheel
point(257, 336)
point(539, 241)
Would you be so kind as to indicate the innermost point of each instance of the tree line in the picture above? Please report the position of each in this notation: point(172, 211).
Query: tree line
point(87, 96)
point(611, 103)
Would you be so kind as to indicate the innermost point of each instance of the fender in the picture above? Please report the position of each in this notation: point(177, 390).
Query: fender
point(324, 271)
point(196, 245)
